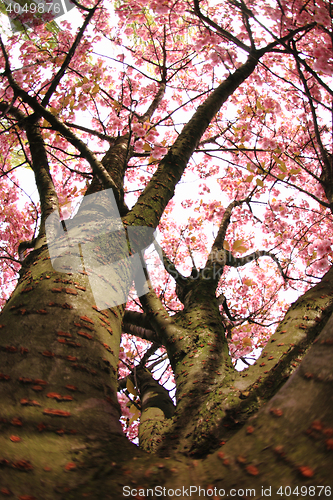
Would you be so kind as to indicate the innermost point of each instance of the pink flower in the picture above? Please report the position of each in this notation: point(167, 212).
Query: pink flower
point(138, 129)
point(138, 148)
point(321, 265)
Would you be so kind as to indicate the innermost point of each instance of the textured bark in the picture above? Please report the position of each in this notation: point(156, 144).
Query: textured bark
point(59, 359)
point(58, 385)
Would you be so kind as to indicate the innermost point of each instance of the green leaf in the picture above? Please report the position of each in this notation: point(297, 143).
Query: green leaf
point(259, 183)
point(241, 249)
point(136, 414)
point(130, 387)
point(294, 171)
point(237, 244)
point(281, 164)
point(152, 160)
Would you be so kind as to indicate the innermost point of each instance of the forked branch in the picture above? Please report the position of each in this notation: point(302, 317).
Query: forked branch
point(97, 167)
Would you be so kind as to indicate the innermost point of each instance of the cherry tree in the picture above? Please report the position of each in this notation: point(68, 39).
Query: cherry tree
point(210, 123)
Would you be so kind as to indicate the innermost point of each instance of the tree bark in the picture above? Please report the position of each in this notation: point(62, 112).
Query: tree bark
point(61, 436)
point(59, 359)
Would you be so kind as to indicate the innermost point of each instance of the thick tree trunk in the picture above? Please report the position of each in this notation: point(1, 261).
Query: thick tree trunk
point(59, 359)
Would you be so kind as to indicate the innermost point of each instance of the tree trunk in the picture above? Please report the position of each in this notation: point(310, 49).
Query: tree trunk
point(59, 359)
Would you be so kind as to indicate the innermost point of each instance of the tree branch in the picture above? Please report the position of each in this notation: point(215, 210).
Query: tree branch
point(154, 105)
point(46, 190)
point(169, 334)
point(242, 261)
point(219, 29)
point(56, 79)
point(136, 323)
point(161, 187)
point(326, 158)
point(220, 237)
point(97, 167)
point(169, 266)
point(101, 136)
